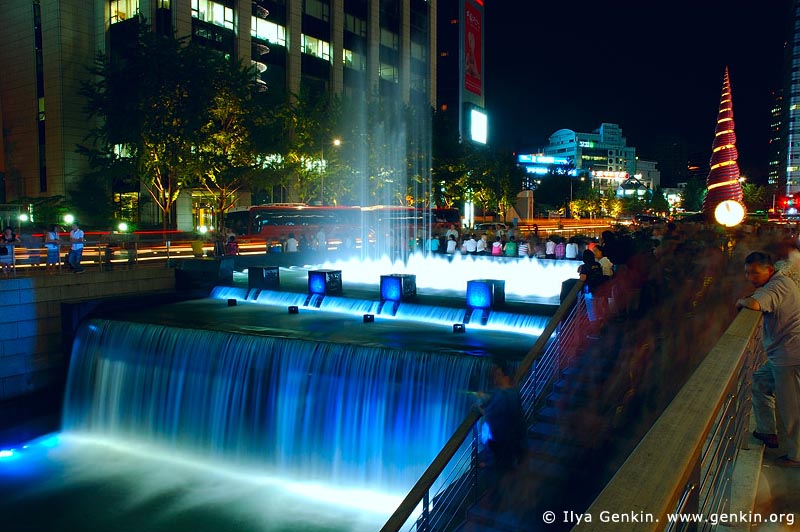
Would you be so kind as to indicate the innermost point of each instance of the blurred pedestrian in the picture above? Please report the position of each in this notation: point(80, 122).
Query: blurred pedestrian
point(76, 248)
point(777, 382)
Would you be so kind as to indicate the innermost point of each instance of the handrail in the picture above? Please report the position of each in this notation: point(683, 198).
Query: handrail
point(429, 476)
point(420, 489)
point(663, 473)
point(541, 342)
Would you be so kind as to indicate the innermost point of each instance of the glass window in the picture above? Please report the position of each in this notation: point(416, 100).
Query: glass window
point(268, 31)
point(317, 9)
point(119, 10)
point(213, 12)
point(316, 47)
point(354, 60)
point(356, 25)
point(418, 51)
point(388, 72)
point(390, 39)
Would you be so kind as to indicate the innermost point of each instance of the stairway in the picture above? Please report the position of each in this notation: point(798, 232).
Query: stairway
point(565, 449)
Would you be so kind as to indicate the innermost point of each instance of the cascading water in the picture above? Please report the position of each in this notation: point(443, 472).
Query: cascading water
point(347, 414)
point(498, 321)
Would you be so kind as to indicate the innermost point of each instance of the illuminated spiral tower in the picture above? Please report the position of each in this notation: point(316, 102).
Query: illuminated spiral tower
point(722, 183)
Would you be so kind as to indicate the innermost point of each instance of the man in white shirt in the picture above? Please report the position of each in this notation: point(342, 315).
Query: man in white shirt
point(471, 245)
point(76, 248)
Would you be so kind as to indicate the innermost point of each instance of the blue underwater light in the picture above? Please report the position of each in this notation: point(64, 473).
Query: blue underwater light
point(479, 294)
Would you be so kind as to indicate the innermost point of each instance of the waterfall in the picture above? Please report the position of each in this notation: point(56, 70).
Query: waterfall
point(349, 415)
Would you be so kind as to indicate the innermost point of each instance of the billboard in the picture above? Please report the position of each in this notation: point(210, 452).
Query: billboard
point(473, 62)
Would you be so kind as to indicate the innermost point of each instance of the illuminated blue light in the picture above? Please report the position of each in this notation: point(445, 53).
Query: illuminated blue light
point(479, 294)
point(316, 283)
point(6, 453)
point(391, 288)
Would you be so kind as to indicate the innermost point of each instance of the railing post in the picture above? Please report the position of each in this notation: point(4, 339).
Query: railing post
point(168, 246)
point(425, 518)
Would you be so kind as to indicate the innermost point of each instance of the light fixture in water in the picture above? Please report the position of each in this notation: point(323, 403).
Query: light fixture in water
point(459, 328)
point(369, 318)
point(398, 287)
point(325, 282)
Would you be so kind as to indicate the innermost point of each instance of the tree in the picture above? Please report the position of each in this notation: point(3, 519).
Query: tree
point(306, 122)
point(225, 156)
point(693, 194)
point(152, 100)
point(658, 203)
point(757, 197)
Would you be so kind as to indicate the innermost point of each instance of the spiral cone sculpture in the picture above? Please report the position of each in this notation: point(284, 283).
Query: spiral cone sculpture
point(722, 182)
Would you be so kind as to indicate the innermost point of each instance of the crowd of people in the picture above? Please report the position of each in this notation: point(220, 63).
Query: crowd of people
point(512, 242)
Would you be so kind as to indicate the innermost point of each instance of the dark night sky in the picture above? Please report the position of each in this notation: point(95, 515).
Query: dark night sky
point(654, 68)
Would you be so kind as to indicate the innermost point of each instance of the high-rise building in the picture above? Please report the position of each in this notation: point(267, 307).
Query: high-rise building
point(353, 47)
point(672, 154)
point(790, 138)
point(461, 71)
point(776, 170)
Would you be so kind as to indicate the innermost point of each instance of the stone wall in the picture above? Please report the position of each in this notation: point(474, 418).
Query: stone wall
point(32, 353)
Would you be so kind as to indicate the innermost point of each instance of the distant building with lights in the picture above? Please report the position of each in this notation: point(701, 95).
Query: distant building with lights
point(605, 149)
point(777, 171)
point(602, 155)
point(788, 177)
point(352, 47)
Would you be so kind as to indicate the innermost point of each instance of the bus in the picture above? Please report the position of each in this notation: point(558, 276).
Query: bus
point(274, 222)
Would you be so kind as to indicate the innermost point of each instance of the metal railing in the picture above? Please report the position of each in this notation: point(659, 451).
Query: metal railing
point(451, 482)
point(684, 464)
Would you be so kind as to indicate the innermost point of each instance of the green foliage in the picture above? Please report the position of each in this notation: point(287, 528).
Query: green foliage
point(470, 172)
point(758, 197)
point(46, 210)
point(658, 203)
point(169, 108)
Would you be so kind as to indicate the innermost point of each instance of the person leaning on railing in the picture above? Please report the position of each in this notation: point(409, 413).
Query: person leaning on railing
point(9, 240)
point(76, 248)
point(777, 382)
point(53, 244)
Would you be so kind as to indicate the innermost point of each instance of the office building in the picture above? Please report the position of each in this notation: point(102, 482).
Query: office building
point(789, 166)
point(351, 47)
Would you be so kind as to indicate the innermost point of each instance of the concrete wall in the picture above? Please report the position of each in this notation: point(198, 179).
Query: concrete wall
point(31, 354)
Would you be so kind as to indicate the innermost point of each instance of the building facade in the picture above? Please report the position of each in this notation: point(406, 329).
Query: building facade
point(605, 149)
point(358, 48)
point(789, 167)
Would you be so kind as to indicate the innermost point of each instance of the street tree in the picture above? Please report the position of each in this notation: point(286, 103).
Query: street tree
point(226, 159)
point(151, 101)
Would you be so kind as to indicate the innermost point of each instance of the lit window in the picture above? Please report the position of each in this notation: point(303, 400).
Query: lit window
point(316, 47)
point(212, 12)
point(354, 60)
point(268, 31)
point(119, 10)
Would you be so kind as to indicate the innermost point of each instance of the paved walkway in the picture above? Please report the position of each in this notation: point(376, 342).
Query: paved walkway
point(778, 492)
